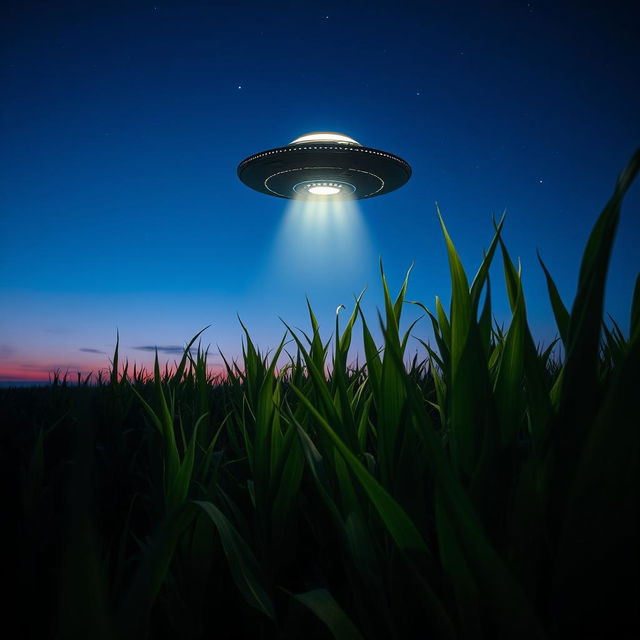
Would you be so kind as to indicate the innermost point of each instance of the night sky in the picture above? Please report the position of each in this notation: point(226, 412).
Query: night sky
point(123, 125)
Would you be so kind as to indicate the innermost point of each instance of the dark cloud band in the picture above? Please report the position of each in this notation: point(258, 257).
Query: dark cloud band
point(161, 348)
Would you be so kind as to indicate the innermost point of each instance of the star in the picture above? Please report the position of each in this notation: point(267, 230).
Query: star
point(239, 86)
point(540, 181)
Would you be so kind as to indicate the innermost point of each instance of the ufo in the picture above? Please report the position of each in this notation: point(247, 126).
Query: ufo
point(324, 165)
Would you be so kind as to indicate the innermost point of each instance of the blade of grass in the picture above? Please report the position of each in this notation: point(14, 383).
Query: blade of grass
point(400, 527)
point(325, 607)
point(242, 563)
point(559, 310)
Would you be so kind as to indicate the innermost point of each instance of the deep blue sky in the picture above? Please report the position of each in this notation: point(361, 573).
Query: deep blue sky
point(123, 124)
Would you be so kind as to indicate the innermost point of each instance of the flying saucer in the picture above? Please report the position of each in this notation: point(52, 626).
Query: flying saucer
point(324, 165)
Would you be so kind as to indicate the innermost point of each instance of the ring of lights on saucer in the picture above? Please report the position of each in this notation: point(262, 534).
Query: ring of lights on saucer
point(324, 165)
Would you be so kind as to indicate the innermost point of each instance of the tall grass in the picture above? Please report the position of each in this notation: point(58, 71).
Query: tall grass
point(487, 491)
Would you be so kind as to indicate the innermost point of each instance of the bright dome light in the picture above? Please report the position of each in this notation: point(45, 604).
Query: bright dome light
point(324, 191)
point(325, 136)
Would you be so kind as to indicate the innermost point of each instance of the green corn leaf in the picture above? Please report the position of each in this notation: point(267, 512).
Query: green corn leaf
point(372, 354)
point(392, 316)
point(443, 356)
point(345, 339)
point(114, 363)
point(358, 539)
point(339, 375)
point(596, 561)
point(317, 350)
point(483, 271)
point(179, 486)
point(363, 422)
point(288, 479)
point(501, 595)
point(443, 324)
point(460, 300)
point(470, 409)
point(320, 385)
point(559, 310)
point(539, 404)
point(484, 322)
point(400, 527)
point(457, 571)
point(397, 305)
point(580, 393)
point(634, 321)
point(389, 401)
point(390, 396)
point(183, 362)
point(265, 442)
point(509, 382)
point(152, 414)
point(152, 570)
point(348, 497)
point(316, 465)
point(172, 459)
point(435, 357)
point(525, 356)
point(252, 366)
point(325, 607)
point(244, 567)
point(546, 354)
point(405, 337)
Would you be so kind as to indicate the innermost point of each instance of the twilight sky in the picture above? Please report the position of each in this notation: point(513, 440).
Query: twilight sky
point(123, 123)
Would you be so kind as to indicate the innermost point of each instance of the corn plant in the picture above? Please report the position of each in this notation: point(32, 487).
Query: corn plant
point(487, 490)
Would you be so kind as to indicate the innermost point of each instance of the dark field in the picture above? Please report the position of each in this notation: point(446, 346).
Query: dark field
point(488, 491)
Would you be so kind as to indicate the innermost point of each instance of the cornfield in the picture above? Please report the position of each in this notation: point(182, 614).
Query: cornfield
point(487, 491)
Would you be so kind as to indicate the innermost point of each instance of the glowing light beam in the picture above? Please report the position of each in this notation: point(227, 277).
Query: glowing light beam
point(320, 239)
